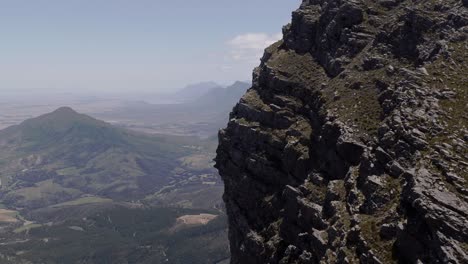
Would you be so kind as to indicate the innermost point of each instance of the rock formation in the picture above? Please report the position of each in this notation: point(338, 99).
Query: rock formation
point(351, 146)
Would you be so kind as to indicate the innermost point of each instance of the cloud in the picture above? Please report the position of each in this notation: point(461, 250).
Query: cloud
point(249, 47)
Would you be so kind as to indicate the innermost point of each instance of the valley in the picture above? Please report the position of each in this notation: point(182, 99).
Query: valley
point(75, 189)
point(115, 233)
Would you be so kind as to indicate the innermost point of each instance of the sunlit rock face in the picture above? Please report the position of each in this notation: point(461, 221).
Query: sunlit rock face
point(351, 144)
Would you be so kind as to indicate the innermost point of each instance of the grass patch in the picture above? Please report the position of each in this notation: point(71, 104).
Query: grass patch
point(83, 201)
point(297, 68)
point(370, 227)
point(447, 75)
point(45, 189)
point(68, 171)
point(371, 224)
point(26, 228)
point(358, 106)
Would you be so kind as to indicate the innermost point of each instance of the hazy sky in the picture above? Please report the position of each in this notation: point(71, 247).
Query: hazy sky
point(123, 45)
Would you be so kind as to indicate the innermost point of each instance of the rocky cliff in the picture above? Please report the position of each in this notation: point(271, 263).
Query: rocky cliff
point(351, 146)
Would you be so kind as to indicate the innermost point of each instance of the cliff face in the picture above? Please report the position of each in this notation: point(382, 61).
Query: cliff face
point(351, 146)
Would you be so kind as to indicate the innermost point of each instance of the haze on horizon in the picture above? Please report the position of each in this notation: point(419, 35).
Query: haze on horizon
point(122, 46)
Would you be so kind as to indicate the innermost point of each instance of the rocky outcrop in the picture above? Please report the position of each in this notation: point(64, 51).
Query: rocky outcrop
point(351, 146)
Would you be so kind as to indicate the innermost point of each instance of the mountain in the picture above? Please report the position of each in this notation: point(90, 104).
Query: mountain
point(63, 126)
point(75, 189)
point(193, 91)
point(65, 155)
point(350, 147)
point(201, 116)
point(223, 98)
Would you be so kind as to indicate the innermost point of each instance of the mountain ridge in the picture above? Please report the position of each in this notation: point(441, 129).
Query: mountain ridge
point(192, 91)
point(350, 147)
point(56, 124)
point(200, 116)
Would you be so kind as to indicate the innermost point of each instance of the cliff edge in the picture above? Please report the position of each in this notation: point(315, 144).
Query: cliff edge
point(351, 145)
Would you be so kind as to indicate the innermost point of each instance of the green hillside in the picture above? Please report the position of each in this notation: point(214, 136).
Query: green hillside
point(78, 190)
point(64, 155)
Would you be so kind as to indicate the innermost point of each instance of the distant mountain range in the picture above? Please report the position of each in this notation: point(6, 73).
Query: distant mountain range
point(200, 115)
point(193, 91)
point(221, 97)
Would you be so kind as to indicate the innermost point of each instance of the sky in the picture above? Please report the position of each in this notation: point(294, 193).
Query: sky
point(133, 45)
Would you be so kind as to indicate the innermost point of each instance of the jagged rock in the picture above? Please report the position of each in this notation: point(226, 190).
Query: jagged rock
point(454, 178)
point(350, 151)
point(291, 194)
point(335, 191)
point(388, 3)
point(372, 63)
point(310, 214)
point(354, 235)
point(316, 178)
point(396, 169)
point(353, 129)
point(382, 156)
point(305, 257)
point(388, 231)
point(318, 242)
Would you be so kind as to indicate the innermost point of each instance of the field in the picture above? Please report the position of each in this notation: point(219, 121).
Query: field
point(84, 200)
point(187, 221)
point(8, 216)
point(201, 219)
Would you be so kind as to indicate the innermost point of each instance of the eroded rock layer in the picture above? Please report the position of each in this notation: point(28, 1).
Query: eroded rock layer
point(351, 146)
